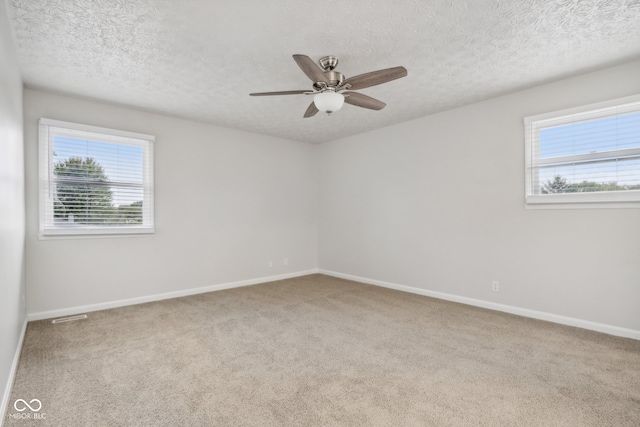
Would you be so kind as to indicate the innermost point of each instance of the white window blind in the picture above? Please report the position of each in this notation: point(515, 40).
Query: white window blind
point(94, 180)
point(588, 155)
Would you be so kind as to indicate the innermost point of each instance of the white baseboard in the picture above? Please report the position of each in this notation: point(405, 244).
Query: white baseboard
point(550, 317)
point(157, 297)
point(12, 375)
point(541, 315)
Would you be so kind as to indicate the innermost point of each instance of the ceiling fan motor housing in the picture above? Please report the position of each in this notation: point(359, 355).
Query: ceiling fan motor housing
point(334, 77)
point(328, 64)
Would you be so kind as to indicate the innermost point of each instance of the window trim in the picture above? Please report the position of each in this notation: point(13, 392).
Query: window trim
point(610, 199)
point(46, 179)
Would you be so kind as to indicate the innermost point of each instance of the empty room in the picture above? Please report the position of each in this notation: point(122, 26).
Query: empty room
point(288, 213)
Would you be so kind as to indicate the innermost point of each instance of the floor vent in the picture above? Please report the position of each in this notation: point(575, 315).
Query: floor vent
point(69, 319)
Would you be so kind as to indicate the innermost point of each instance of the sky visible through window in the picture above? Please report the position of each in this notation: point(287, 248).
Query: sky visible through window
point(122, 163)
point(593, 136)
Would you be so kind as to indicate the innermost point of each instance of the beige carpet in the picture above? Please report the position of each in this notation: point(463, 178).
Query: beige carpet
point(320, 351)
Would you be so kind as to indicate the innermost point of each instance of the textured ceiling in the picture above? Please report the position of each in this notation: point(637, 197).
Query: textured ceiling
point(199, 59)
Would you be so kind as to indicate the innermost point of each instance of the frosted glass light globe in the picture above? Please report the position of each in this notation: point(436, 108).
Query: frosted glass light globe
point(328, 102)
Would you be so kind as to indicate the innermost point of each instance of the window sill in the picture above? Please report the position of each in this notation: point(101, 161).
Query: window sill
point(617, 200)
point(88, 233)
point(628, 205)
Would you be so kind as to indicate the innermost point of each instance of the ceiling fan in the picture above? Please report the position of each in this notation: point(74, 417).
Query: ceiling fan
point(331, 89)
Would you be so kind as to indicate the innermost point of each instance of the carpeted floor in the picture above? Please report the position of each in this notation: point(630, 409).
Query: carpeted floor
point(321, 351)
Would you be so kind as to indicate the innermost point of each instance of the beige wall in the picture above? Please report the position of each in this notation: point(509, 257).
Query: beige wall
point(226, 202)
point(437, 204)
point(12, 226)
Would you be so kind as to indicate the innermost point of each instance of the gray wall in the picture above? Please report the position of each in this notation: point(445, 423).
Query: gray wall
point(437, 204)
point(226, 203)
point(12, 209)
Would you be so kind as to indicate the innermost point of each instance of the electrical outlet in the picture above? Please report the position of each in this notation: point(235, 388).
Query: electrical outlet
point(495, 286)
point(286, 261)
point(270, 263)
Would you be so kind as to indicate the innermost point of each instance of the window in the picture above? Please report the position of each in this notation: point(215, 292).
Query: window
point(94, 180)
point(587, 156)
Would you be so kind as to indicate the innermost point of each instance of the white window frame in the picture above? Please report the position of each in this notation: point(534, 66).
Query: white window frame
point(605, 199)
point(48, 129)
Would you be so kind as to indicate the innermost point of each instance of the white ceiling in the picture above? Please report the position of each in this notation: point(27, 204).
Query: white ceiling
point(200, 59)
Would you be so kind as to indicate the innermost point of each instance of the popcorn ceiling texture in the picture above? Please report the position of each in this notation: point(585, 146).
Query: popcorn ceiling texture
point(201, 59)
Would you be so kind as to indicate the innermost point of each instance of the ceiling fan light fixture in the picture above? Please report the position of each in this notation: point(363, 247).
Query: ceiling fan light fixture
point(328, 101)
point(329, 86)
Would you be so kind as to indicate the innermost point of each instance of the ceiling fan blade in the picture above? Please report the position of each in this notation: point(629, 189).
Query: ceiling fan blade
point(364, 101)
point(310, 68)
point(286, 92)
point(311, 111)
point(375, 78)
